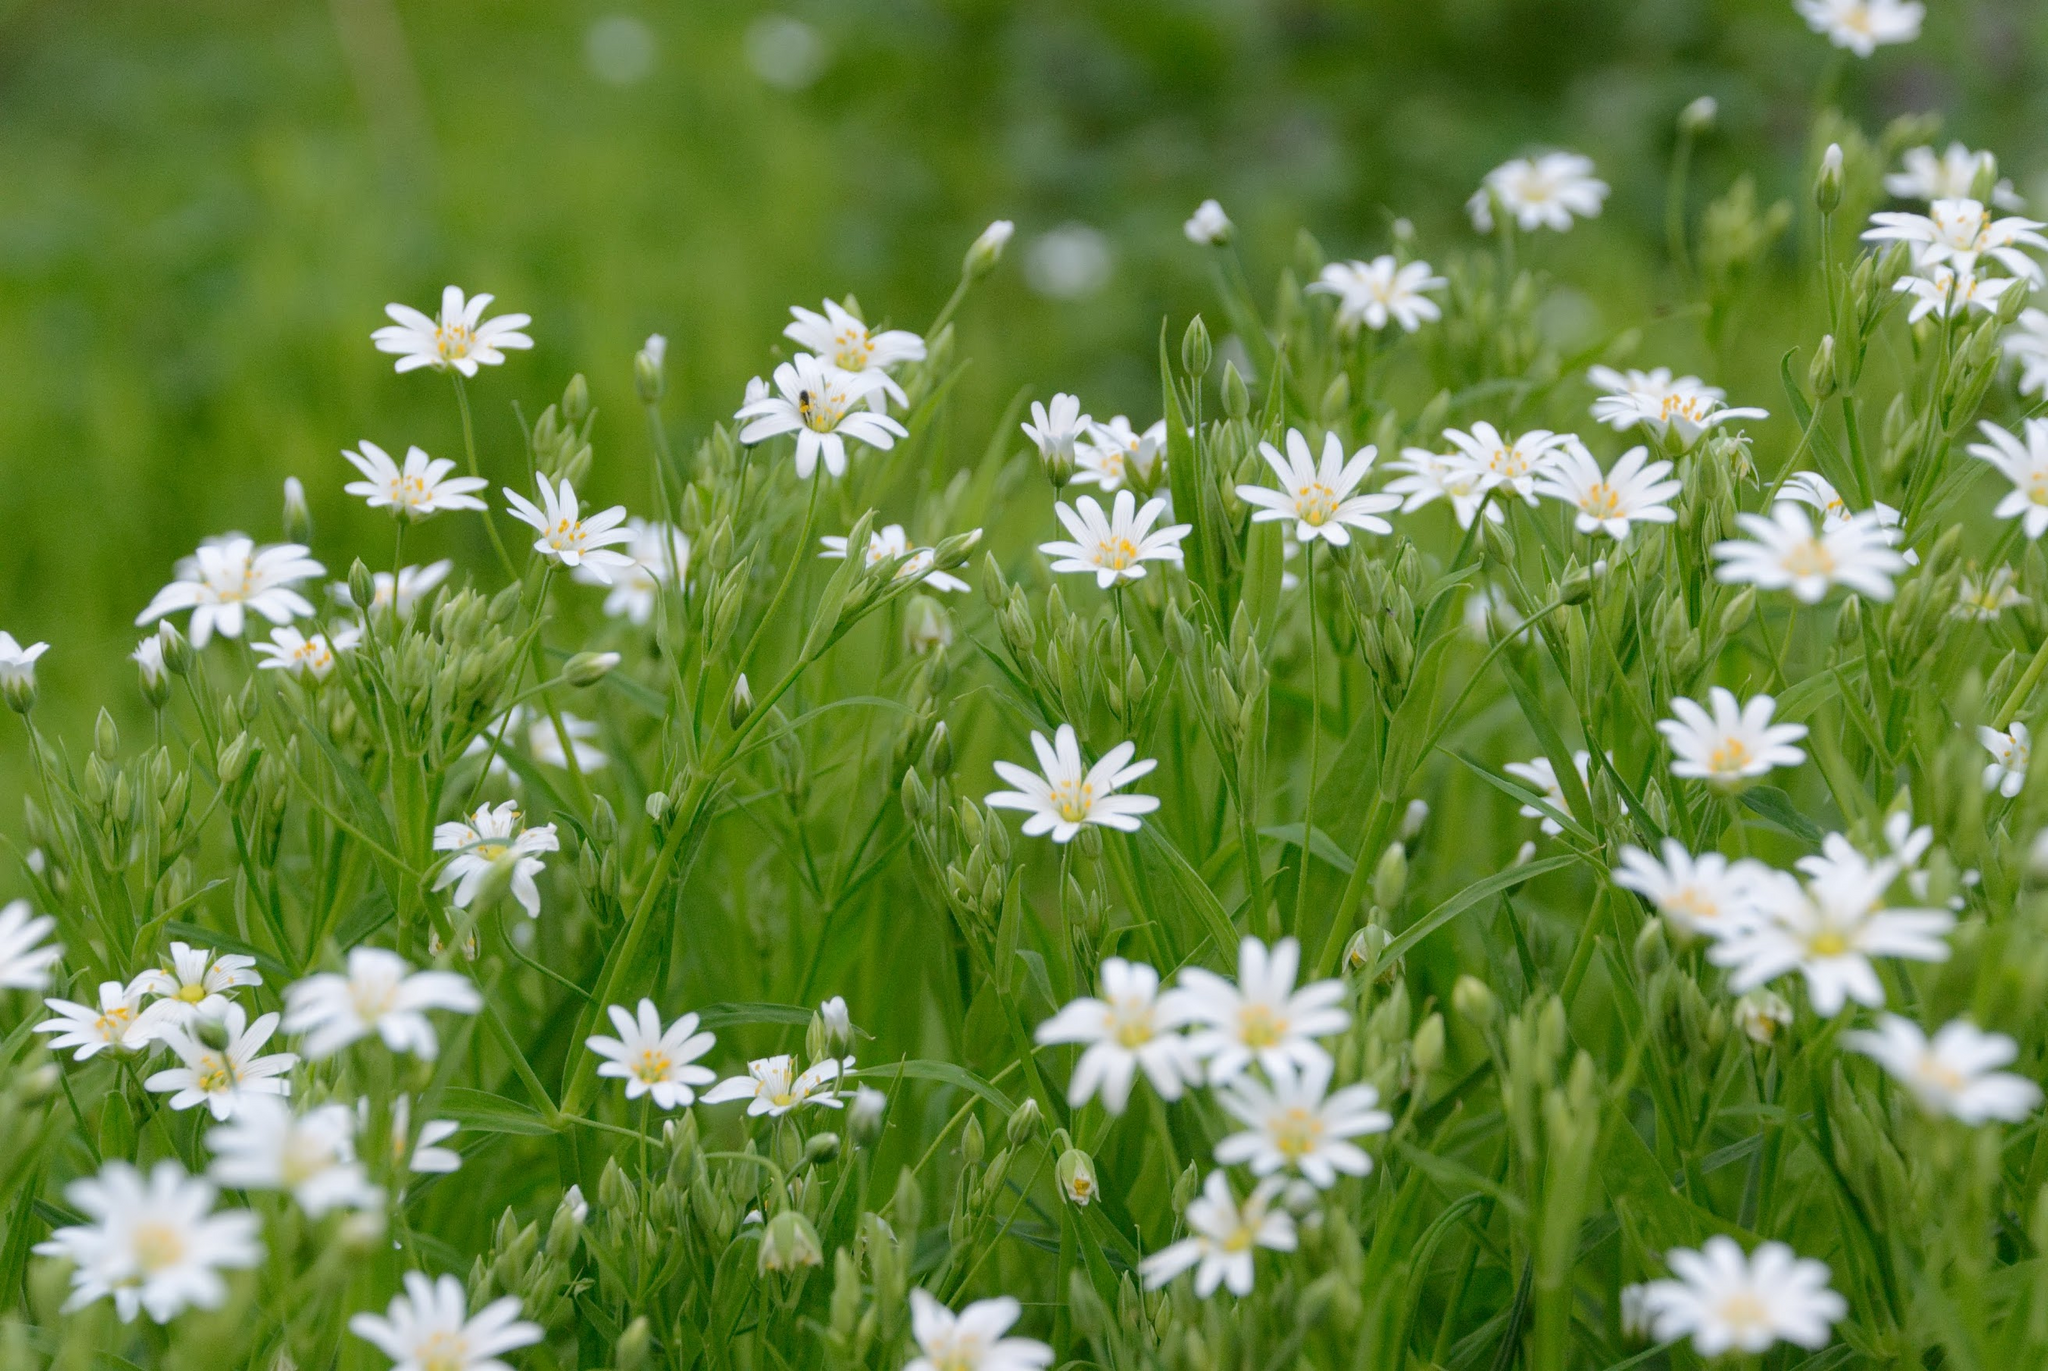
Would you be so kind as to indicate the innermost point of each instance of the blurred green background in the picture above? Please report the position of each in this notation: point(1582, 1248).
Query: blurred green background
point(207, 204)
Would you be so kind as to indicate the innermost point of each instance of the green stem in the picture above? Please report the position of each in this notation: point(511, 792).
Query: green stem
point(476, 470)
point(1315, 737)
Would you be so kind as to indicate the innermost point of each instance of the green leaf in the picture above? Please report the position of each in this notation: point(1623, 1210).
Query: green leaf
point(1320, 843)
point(1207, 907)
point(921, 1069)
point(727, 1013)
point(1775, 807)
point(224, 942)
point(482, 1112)
point(1471, 895)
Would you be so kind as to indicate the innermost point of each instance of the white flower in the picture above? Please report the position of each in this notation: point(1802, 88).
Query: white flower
point(773, 1086)
point(2027, 345)
point(1208, 226)
point(1261, 1017)
point(542, 739)
point(1944, 292)
point(1382, 290)
point(2025, 464)
point(652, 1061)
point(1431, 476)
point(427, 1157)
point(1070, 794)
point(987, 248)
point(1958, 233)
point(1677, 412)
point(1985, 598)
point(491, 840)
point(839, 337)
point(231, 575)
point(197, 985)
point(1539, 192)
point(1953, 1073)
point(1707, 894)
point(1760, 1014)
point(148, 657)
point(222, 1077)
point(404, 592)
point(1813, 489)
point(971, 1340)
point(1058, 430)
point(891, 544)
point(1828, 930)
point(380, 994)
point(1735, 744)
point(567, 538)
point(429, 1328)
point(2011, 749)
point(460, 338)
point(117, 1023)
point(154, 1244)
point(1319, 497)
point(418, 490)
point(1504, 462)
point(1222, 1235)
point(18, 663)
point(267, 1147)
point(1540, 776)
point(654, 553)
point(823, 406)
point(1949, 175)
point(1863, 26)
point(302, 654)
point(1784, 552)
point(25, 960)
point(1636, 489)
point(1115, 546)
point(1296, 1123)
point(1116, 452)
point(1131, 1028)
point(1727, 1301)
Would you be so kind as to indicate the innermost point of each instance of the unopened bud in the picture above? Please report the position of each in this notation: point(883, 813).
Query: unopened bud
point(972, 1144)
point(987, 250)
point(1820, 376)
point(1827, 187)
point(1474, 1001)
point(1237, 397)
point(650, 376)
point(362, 586)
point(1426, 1049)
point(1390, 877)
point(1697, 117)
point(1024, 1122)
point(177, 649)
point(1196, 353)
point(742, 704)
point(864, 1115)
point(298, 516)
point(629, 1353)
point(588, 668)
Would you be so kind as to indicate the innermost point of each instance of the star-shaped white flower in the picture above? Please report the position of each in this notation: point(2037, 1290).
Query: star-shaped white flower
point(1539, 192)
point(1728, 1302)
point(458, 339)
point(1677, 412)
point(1950, 174)
point(773, 1086)
point(1812, 489)
point(154, 1244)
point(566, 536)
point(1959, 234)
point(2027, 345)
point(490, 840)
point(404, 592)
point(1222, 1236)
point(1508, 463)
point(838, 336)
point(265, 1146)
point(823, 406)
point(1944, 292)
point(1954, 1073)
point(429, 1328)
point(1296, 1123)
point(1635, 490)
point(971, 1340)
point(1783, 551)
point(197, 984)
point(228, 576)
point(1070, 793)
point(1131, 1028)
point(1382, 291)
point(418, 490)
point(1115, 452)
point(2012, 751)
point(1058, 430)
point(1437, 476)
point(302, 654)
point(656, 553)
point(1984, 598)
point(2024, 462)
point(222, 1077)
point(117, 1024)
point(1260, 1017)
point(1736, 743)
point(381, 994)
point(1319, 497)
point(1114, 546)
point(652, 1060)
point(890, 544)
point(1706, 895)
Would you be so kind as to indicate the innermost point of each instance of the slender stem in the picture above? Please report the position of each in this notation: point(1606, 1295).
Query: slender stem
point(1315, 739)
point(476, 470)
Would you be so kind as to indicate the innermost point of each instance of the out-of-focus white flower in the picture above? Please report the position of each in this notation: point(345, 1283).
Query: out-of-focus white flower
point(116, 1024)
point(1131, 1028)
point(1320, 498)
point(1434, 475)
point(427, 1157)
point(1540, 776)
point(228, 576)
point(823, 406)
point(1222, 1236)
point(1114, 546)
point(542, 740)
point(2024, 462)
point(1539, 192)
point(1070, 262)
point(971, 1340)
point(1070, 794)
point(1945, 292)
point(1954, 1072)
point(1784, 552)
point(652, 559)
point(2027, 345)
point(1815, 490)
point(2012, 751)
point(1863, 26)
point(1678, 412)
point(154, 1244)
point(1261, 1017)
point(490, 839)
point(1115, 452)
point(1736, 743)
point(1986, 597)
point(419, 489)
point(1297, 1123)
point(460, 338)
point(890, 544)
point(651, 1060)
point(1950, 174)
point(839, 337)
point(1760, 1014)
point(25, 959)
point(429, 1328)
point(312, 1155)
point(404, 592)
point(221, 1078)
point(1707, 894)
point(773, 1086)
point(302, 654)
point(1725, 1301)
point(1611, 502)
point(1382, 291)
point(380, 994)
point(1208, 226)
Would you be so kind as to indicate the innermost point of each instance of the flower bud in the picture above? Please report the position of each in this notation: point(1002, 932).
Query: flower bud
point(298, 516)
point(864, 1115)
point(1736, 613)
point(788, 1242)
point(576, 400)
point(742, 703)
point(151, 673)
point(1699, 116)
point(987, 250)
point(1820, 376)
point(831, 1032)
point(1390, 877)
point(1209, 226)
point(1185, 1186)
point(649, 374)
point(1474, 1001)
point(177, 649)
point(972, 1144)
point(588, 668)
point(629, 1353)
point(1195, 350)
point(1426, 1049)
point(1237, 399)
point(821, 1148)
point(1024, 1122)
point(1827, 186)
point(106, 737)
point(1076, 1172)
point(362, 586)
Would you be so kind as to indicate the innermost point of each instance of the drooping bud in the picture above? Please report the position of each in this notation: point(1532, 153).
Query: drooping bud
point(789, 1242)
point(1076, 1172)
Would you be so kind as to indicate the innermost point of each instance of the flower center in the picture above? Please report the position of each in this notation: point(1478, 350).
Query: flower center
point(215, 1073)
point(304, 1158)
point(1731, 754)
point(113, 1023)
point(453, 340)
point(1744, 1309)
point(654, 1065)
point(1259, 1026)
point(1296, 1133)
point(1073, 800)
point(1601, 500)
point(192, 992)
point(1828, 942)
point(820, 410)
point(1809, 558)
point(1116, 553)
point(372, 999)
point(157, 1247)
point(442, 1352)
point(1130, 1023)
point(1315, 504)
point(567, 535)
point(1239, 1239)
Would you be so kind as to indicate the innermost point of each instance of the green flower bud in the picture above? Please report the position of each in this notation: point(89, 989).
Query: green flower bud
point(650, 377)
point(741, 705)
point(788, 1242)
point(298, 516)
point(588, 668)
point(1237, 399)
point(1196, 352)
point(987, 250)
point(1827, 186)
point(1475, 1001)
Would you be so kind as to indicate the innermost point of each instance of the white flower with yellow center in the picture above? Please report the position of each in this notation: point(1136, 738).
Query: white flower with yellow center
point(773, 1086)
point(823, 406)
point(1057, 432)
point(1954, 1073)
point(1785, 552)
point(429, 1328)
point(311, 1156)
point(1984, 598)
point(1114, 546)
point(1297, 1124)
point(2012, 752)
point(1507, 463)
point(892, 544)
point(25, 959)
point(418, 490)
point(229, 576)
point(1944, 292)
point(2022, 460)
point(222, 1077)
point(154, 1244)
point(1958, 234)
point(307, 655)
point(1116, 453)
point(1610, 502)
point(1260, 1017)
point(1436, 476)
point(1222, 1236)
point(1376, 293)
point(1950, 174)
point(490, 843)
point(458, 339)
point(1070, 794)
point(1676, 411)
point(1816, 491)
point(1126, 1031)
point(1736, 743)
point(115, 1024)
point(1728, 1302)
point(1761, 1014)
point(652, 1060)
point(1704, 895)
point(1319, 497)
point(839, 337)
point(197, 983)
point(971, 1340)
point(568, 538)
point(1539, 192)
point(1828, 929)
point(658, 555)
point(381, 994)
